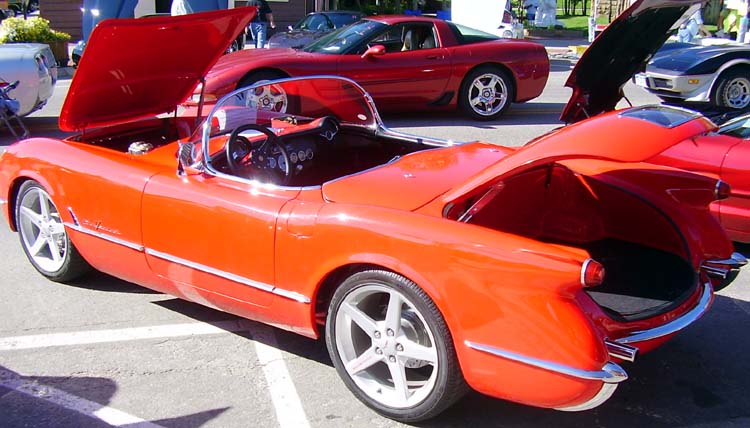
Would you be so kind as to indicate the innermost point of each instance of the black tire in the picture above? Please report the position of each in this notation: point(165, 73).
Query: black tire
point(732, 89)
point(57, 259)
point(433, 385)
point(480, 90)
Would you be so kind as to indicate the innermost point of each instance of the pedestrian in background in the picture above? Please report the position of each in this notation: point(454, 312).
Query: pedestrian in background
point(259, 24)
point(180, 7)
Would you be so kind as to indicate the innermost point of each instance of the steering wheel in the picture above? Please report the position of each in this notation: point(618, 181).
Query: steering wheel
point(262, 157)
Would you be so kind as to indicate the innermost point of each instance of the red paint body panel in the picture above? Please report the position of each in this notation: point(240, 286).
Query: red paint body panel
point(726, 157)
point(126, 77)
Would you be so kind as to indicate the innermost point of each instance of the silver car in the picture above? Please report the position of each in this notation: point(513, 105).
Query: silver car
point(34, 66)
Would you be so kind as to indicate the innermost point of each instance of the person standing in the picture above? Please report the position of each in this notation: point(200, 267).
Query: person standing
point(259, 24)
point(180, 7)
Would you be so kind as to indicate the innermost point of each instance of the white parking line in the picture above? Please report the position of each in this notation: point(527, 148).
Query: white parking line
point(286, 401)
point(119, 335)
point(80, 405)
point(289, 411)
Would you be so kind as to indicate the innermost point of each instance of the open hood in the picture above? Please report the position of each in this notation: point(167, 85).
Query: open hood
point(634, 135)
point(135, 68)
point(621, 50)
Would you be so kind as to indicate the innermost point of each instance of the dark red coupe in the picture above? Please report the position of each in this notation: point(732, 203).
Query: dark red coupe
point(405, 63)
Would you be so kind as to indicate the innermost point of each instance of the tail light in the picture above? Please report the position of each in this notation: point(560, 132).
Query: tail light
point(723, 190)
point(592, 273)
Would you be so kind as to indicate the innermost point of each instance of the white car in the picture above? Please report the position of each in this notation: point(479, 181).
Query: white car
point(33, 65)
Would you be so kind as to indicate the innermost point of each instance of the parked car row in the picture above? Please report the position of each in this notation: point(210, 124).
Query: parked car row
point(528, 274)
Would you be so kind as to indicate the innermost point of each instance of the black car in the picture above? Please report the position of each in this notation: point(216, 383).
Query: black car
point(312, 27)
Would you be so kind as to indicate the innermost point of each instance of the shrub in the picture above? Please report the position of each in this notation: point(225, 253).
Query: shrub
point(31, 30)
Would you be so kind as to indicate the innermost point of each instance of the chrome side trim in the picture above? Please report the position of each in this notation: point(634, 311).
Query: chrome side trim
point(230, 276)
point(610, 373)
point(676, 324)
point(292, 295)
point(603, 395)
point(105, 237)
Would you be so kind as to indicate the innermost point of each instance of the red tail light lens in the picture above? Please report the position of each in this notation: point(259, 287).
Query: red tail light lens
point(723, 190)
point(592, 273)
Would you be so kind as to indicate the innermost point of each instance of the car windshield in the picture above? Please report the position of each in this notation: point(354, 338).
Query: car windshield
point(341, 19)
point(344, 39)
point(288, 102)
point(314, 22)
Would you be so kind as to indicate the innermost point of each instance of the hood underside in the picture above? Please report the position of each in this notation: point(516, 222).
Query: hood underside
point(619, 52)
point(136, 68)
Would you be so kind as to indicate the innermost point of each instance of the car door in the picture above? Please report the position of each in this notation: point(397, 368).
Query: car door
point(400, 77)
point(213, 237)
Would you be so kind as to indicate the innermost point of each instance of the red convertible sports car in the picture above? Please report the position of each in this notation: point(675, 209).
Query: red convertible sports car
point(405, 63)
point(429, 267)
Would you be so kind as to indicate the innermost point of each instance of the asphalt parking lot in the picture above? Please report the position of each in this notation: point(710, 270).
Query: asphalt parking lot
point(103, 352)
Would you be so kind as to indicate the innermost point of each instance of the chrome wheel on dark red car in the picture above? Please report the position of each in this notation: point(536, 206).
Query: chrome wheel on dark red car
point(485, 93)
point(391, 346)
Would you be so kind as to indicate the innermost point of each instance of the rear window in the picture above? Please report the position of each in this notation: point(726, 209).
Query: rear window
point(668, 117)
point(466, 35)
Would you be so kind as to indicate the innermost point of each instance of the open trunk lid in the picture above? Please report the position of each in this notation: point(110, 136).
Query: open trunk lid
point(619, 52)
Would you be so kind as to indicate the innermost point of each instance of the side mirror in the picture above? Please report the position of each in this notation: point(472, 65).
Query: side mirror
point(186, 160)
point(377, 50)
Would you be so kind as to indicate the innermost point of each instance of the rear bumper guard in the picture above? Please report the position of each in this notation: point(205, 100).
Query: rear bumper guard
point(722, 268)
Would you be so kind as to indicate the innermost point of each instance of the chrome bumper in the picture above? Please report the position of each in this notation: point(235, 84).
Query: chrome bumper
point(721, 268)
point(611, 374)
point(676, 324)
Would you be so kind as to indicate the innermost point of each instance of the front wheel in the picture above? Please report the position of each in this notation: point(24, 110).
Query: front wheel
point(43, 235)
point(391, 346)
point(486, 93)
point(732, 90)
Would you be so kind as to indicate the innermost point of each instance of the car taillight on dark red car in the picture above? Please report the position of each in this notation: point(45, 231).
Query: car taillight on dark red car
point(723, 190)
point(592, 273)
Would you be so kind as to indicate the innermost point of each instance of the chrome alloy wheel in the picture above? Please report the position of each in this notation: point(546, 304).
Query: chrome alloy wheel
point(42, 231)
point(488, 94)
point(386, 346)
point(737, 93)
point(268, 97)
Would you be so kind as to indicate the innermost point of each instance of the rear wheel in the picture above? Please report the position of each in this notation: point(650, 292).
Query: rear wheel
point(268, 97)
point(391, 346)
point(732, 89)
point(43, 235)
point(486, 93)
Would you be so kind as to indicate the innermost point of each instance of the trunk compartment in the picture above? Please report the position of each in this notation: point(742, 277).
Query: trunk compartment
point(646, 258)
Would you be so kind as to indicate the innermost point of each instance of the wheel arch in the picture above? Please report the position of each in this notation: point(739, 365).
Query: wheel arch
point(727, 67)
point(15, 187)
point(269, 70)
point(499, 65)
point(322, 295)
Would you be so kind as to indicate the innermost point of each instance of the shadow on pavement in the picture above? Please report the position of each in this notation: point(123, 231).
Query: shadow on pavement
point(52, 402)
